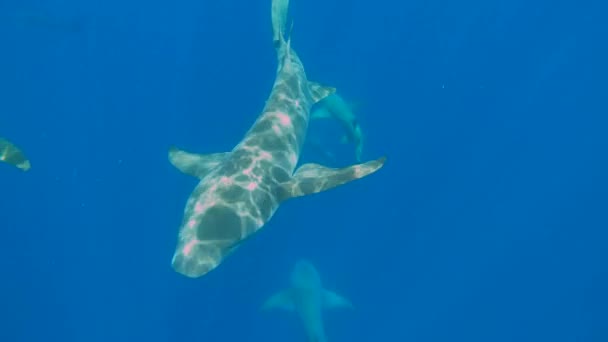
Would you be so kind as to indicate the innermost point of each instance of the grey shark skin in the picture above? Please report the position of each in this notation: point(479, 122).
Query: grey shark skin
point(239, 191)
point(11, 154)
point(307, 297)
point(334, 107)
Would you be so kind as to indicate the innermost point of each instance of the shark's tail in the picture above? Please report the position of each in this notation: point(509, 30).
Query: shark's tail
point(279, 21)
point(278, 14)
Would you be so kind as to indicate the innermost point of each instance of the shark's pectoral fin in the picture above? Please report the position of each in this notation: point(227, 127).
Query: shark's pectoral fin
point(314, 178)
point(281, 300)
point(319, 92)
point(332, 300)
point(197, 165)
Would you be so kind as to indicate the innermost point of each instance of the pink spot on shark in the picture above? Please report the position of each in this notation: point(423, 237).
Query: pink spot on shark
point(188, 247)
point(191, 223)
point(252, 186)
point(198, 207)
point(276, 129)
point(226, 180)
point(284, 119)
point(265, 155)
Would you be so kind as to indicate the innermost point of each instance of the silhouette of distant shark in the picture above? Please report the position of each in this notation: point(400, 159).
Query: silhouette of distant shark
point(307, 297)
point(334, 107)
point(239, 191)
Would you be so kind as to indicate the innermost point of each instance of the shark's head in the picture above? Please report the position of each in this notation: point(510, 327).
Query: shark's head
point(305, 276)
point(219, 215)
point(206, 240)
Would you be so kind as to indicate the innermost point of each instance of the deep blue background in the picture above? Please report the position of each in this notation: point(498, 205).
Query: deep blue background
point(488, 223)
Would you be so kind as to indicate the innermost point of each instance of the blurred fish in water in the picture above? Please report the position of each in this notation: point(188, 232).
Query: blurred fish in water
point(11, 154)
point(335, 107)
point(307, 297)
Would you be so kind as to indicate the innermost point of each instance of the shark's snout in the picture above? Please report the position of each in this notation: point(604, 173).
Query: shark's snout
point(305, 275)
point(195, 261)
point(304, 266)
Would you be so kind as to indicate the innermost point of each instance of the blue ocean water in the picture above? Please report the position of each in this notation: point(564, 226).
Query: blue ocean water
point(488, 222)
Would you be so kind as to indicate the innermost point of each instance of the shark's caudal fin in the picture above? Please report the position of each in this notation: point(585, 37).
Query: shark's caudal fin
point(279, 21)
point(278, 15)
point(197, 165)
point(11, 154)
point(314, 178)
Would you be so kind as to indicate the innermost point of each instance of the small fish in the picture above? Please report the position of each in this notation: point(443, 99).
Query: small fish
point(11, 154)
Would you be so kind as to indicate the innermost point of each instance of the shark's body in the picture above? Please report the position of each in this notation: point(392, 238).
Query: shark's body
point(334, 107)
point(307, 297)
point(11, 154)
point(239, 191)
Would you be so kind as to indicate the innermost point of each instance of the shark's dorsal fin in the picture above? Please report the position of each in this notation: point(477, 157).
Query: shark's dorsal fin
point(281, 300)
point(332, 300)
point(313, 178)
point(319, 92)
point(197, 165)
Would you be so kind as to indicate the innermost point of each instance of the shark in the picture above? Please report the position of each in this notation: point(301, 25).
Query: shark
point(307, 297)
point(239, 191)
point(335, 107)
point(11, 154)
